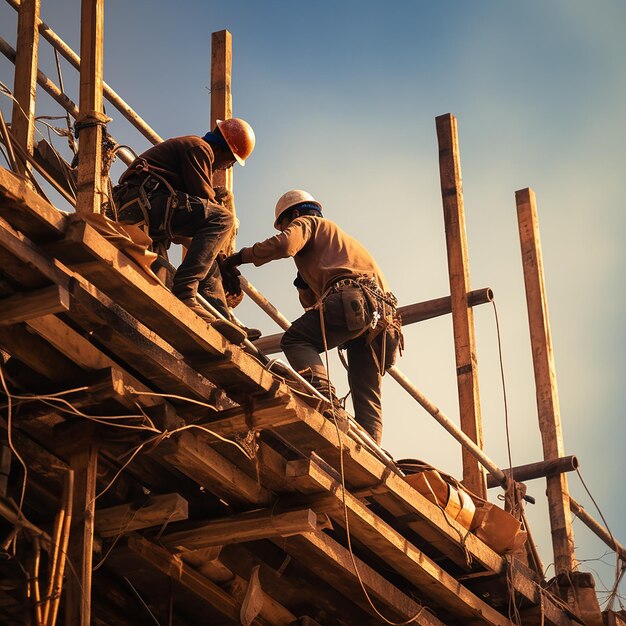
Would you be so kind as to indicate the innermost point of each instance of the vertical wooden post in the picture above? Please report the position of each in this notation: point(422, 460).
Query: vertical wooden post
point(545, 379)
point(84, 462)
point(25, 86)
point(221, 94)
point(91, 118)
point(462, 315)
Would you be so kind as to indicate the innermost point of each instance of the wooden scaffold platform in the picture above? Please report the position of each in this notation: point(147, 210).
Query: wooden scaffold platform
point(152, 472)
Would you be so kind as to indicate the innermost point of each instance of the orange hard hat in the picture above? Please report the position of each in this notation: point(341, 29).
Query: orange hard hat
point(239, 136)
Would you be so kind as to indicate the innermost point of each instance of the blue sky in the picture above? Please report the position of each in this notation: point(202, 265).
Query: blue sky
point(343, 96)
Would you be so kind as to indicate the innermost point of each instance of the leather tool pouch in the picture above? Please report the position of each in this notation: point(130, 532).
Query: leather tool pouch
point(355, 308)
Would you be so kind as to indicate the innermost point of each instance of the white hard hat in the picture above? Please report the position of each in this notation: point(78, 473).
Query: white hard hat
point(291, 198)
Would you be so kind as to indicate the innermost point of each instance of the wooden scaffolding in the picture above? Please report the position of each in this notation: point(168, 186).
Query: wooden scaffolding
point(151, 472)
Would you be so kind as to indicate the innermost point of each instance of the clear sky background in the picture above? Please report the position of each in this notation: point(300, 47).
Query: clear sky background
point(343, 96)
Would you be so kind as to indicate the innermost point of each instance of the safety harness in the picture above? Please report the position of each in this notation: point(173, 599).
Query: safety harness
point(131, 201)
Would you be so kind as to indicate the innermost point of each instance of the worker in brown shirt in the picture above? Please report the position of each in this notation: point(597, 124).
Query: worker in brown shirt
point(169, 188)
point(347, 302)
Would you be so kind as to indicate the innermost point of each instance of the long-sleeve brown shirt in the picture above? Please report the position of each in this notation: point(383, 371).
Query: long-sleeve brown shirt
point(186, 163)
point(322, 251)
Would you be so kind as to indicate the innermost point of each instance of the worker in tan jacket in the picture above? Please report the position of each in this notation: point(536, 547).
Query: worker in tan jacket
point(347, 302)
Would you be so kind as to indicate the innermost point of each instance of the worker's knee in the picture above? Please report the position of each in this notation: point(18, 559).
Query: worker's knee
point(287, 340)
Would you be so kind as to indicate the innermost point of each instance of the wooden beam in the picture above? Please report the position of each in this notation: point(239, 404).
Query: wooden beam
point(207, 562)
point(241, 528)
point(84, 462)
point(188, 453)
point(321, 553)
point(25, 306)
point(25, 89)
point(462, 314)
point(201, 586)
point(91, 118)
point(39, 355)
point(125, 518)
point(545, 379)
point(429, 579)
point(221, 92)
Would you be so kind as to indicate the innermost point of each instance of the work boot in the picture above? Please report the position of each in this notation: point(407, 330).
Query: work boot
point(334, 410)
point(233, 332)
point(252, 333)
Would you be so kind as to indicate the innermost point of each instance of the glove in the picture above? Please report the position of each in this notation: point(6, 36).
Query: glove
point(232, 261)
point(230, 273)
point(299, 282)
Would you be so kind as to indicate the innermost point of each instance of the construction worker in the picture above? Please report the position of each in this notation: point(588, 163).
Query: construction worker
point(170, 189)
point(346, 298)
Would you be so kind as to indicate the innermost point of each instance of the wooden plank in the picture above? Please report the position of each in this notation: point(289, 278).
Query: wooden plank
point(24, 306)
point(125, 518)
point(207, 563)
point(194, 458)
point(25, 86)
point(111, 271)
point(389, 545)
point(174, 567)
point(272, 413)
point(252, 526)
point(139, 347)
point(90, 119)
point(27, 211)
point(156, 306)
point(548, 409)
point(38, 354)
point(323, 554)
point(462, 315)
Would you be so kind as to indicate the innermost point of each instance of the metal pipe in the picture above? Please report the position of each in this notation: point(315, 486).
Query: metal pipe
point(58, 44)
point(597, 529)
point(429, 309)
point(57, 95)
point(458, 434)
point(265, 304)
point(410, 313)
point(523, 473)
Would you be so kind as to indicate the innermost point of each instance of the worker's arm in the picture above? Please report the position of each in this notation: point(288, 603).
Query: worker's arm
point(281, 246)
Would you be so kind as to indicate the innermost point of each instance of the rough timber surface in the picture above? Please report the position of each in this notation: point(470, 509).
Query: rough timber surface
point(192, 520)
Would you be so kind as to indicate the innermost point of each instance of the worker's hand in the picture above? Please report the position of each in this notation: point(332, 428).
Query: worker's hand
point(299, 282)
point(230, 273)
point(232, 261)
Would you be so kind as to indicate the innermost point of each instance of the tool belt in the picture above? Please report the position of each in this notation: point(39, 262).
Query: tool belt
point(370, 310)
point(132, 202)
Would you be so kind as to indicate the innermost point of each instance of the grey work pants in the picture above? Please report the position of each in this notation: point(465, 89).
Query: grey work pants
point(303, 342)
